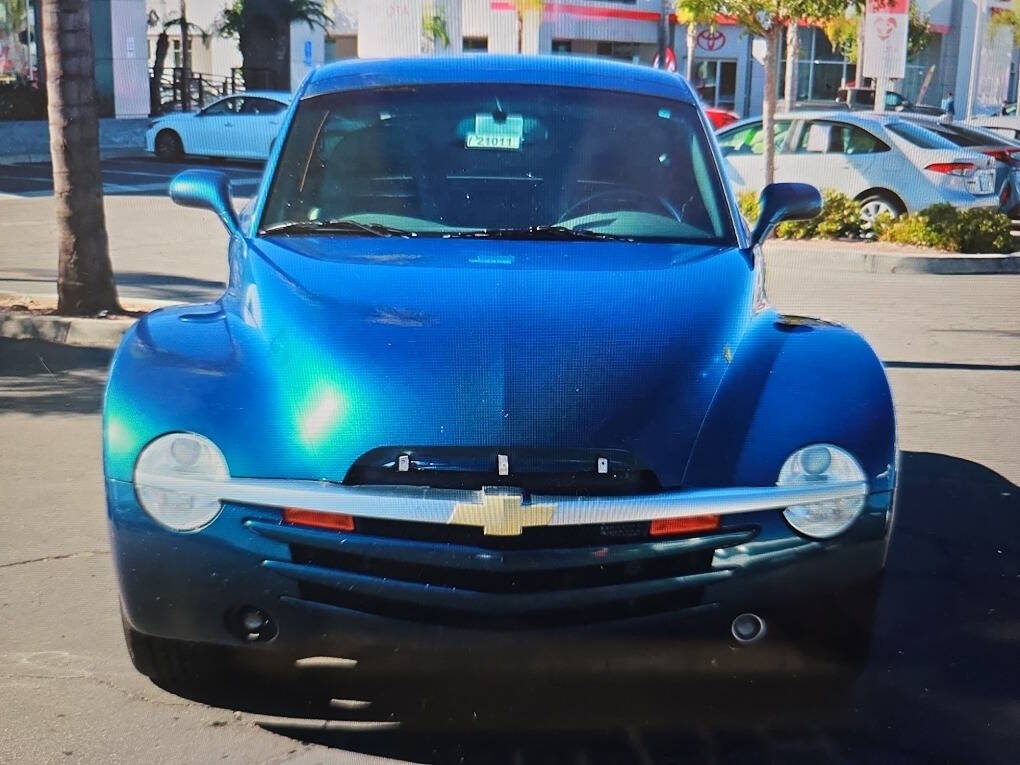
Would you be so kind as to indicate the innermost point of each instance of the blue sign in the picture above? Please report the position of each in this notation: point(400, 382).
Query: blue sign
point(308, 52)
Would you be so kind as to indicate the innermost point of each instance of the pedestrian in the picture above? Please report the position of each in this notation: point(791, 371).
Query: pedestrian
point(948, 104)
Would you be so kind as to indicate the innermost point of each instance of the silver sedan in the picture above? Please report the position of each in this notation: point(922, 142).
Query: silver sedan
point(887, 164)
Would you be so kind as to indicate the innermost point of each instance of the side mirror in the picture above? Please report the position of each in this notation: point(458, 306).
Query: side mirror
point(208, 189)
point(784, 201)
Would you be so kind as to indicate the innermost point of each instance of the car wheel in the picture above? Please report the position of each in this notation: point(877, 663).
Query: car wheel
point(169, 146)
point(174, 664)
point(840, 630)
point(874, 205)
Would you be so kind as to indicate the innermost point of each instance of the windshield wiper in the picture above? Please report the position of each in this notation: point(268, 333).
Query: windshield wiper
point(534, 232)
point(340, 226)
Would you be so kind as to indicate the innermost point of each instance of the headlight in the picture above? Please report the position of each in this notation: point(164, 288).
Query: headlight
point(820, 464)
point(169, 478)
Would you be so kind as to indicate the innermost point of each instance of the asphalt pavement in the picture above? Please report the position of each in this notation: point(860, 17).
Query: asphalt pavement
point(159, 251)
point(941, 685)
point(125, 176)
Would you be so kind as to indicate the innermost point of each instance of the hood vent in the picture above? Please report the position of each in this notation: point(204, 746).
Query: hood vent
point(577, 472)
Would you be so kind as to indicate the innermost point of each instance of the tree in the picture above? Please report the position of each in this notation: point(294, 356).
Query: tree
point(159, 56)
point(262, 28)
point(694, 13)
point(523, 9)
point(843, 32)
point(1007, 18)
point(435, 35)
point(792, 54)
point(767, 19)
point(84, 273)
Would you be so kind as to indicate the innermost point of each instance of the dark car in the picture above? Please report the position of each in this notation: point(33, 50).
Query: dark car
point(863, 99)
point(494, 364)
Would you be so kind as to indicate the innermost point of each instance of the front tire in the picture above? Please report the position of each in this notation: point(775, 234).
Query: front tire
point(173, 664)
point(840, 630)
point(168, 146)
point(874, 205)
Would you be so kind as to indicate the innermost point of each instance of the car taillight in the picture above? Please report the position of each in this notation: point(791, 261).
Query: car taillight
point(1003, 155)
point(951, 168)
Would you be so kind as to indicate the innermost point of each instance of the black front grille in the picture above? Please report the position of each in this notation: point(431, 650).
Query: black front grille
point(530, 538)
point(503, 581)
point(537, 619)
point(456, 575)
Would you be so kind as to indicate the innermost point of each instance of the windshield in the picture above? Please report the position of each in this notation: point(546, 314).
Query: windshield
point(474, 160)
point(919, 136)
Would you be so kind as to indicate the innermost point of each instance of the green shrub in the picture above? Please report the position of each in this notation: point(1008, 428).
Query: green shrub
point(946, 228)
point(747, 201)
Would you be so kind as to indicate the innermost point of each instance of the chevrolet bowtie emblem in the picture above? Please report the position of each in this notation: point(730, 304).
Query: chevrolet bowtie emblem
point(501, 511)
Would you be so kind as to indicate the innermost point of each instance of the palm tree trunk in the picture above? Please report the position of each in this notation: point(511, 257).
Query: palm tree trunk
point(84, 273)
point(158, 67)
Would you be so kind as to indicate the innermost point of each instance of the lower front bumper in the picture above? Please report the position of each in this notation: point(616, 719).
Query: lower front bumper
point(185, 586)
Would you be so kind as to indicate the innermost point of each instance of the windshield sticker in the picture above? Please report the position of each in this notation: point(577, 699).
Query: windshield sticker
point(490, 133)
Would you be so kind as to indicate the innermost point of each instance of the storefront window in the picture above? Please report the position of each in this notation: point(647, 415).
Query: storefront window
point(820, 70)
point(16, 41)
point(716, 82)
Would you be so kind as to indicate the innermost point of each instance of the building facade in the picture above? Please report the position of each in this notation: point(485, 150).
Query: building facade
point(728, 63)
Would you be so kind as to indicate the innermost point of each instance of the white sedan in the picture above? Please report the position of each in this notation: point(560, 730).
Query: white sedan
point(887, 163)
point(241, 126)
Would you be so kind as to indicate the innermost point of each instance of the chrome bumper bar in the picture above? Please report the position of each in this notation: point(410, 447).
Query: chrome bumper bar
point(496, 507)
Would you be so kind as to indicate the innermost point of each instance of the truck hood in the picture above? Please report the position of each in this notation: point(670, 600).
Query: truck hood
point(370, 343)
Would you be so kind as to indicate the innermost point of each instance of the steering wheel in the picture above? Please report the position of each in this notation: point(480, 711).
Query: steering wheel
point(622, 194)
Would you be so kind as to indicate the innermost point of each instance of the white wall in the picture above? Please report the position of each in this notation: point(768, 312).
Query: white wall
point(130, 60)
point(307, 51)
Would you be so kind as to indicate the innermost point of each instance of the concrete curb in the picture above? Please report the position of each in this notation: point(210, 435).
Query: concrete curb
point(68, 330)
point(841, 256)
point(87, 333)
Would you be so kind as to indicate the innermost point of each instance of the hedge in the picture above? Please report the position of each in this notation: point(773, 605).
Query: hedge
point(941, 226)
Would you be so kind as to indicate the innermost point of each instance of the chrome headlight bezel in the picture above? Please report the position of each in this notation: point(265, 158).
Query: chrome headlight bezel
point(818, 464)
point(176, 477)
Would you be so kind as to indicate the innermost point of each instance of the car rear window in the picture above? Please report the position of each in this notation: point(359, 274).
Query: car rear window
point(919, 136)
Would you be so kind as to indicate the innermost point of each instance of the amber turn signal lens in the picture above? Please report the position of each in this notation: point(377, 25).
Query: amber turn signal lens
point(664, 526)
point(318, 520)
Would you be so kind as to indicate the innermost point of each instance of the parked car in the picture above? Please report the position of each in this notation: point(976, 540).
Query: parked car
point(493, 369)
point(889, 165)
point(1004, 151)
point(1007, 127)
point(863, 99)
point(241, 126)
point(720, 118)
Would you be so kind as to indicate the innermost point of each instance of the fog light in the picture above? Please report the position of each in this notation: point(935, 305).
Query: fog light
point(252, 619)
point(251, 624)
point(748, 628)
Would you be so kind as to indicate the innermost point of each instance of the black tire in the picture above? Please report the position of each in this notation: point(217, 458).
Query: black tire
point(873, 204)
point(174, 664)
point(840, 630)
point(168, 146)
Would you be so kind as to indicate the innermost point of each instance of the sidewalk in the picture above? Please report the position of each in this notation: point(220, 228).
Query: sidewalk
point(885, 258)
point(29, 141)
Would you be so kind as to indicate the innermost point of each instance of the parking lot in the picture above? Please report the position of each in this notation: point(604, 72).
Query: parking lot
point(125, 176)
point(940, 687)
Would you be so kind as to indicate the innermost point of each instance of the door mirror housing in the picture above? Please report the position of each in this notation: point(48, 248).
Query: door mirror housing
point(784, 201)
point(208, 189)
